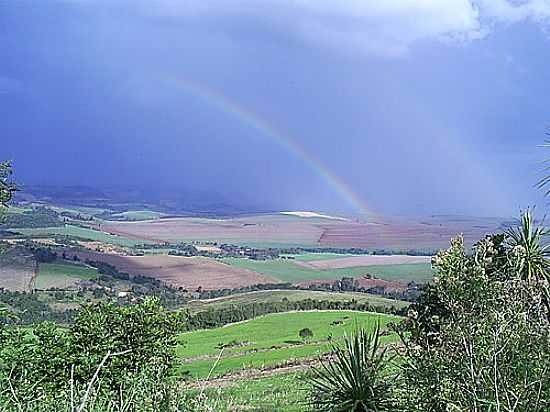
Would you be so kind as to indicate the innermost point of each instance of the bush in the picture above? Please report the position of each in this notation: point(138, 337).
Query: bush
point(305, 334)
point(479, 338)
point(108, 348)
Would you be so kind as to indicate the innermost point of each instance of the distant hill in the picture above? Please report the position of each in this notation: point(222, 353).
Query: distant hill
point(127, 198)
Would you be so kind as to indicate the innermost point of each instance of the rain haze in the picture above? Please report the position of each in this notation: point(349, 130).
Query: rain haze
point(399, 107)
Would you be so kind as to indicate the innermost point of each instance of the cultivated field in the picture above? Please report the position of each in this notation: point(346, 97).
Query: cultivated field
point(269, 342)
point(310, 257)
point(290, 271)
point(139, 215)
point(287, 271)
point(404, 234)
point(186, 272)
point(84, 233)
point(271, 296)
point(63, 275)
point(276, 229)
point(363, 260)
point(17, 270)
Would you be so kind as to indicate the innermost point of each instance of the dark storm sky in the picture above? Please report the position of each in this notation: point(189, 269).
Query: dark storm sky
point(418, 107)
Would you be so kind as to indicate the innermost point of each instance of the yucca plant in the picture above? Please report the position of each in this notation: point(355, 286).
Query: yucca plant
point(527, 246)
point(545, 181)
point(355, 378)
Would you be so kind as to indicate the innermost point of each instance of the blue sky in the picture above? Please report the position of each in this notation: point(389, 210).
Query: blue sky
point(417, 107)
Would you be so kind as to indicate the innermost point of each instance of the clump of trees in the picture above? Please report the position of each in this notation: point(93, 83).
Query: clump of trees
point(116, 357)
point(35, 218)
point(7, 187)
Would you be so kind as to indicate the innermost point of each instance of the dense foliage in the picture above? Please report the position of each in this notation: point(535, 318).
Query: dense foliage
point(107, 349)
point(38, 217)
point(479, 339)
point(7, 188)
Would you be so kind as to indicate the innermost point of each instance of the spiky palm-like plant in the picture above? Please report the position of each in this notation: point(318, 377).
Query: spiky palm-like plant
point(527, 246)
point(355, 378)
point(545, 181)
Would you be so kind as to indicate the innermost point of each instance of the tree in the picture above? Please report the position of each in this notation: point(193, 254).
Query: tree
point(305, 334)
point(145, 333)
point(7, 188)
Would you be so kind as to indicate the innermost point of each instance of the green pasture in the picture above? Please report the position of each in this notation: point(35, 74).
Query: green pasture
point(288, 271)
point(89, 211)
point(268, 340)
point(139, 215)
point(83, 233)
point(16, 210)
point(60, 275)
point(273, 296)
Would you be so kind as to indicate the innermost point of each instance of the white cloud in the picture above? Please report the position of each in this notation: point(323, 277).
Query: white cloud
point(505, 11)
point(389, 27)
point(381, 27)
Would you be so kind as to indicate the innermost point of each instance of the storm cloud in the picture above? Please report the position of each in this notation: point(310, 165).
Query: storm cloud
point(412, 106)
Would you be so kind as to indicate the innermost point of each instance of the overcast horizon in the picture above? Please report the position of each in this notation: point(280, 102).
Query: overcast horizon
point(397, 107)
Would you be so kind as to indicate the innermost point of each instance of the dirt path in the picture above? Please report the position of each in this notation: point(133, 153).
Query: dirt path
point(233, 378)
point(247, 374)
point(249, 351)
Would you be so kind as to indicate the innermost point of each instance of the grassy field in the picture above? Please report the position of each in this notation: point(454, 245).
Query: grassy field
point(280, 393)
point(80, 232)
point(139, 215)
point(16, 210)
point(287, 271)
point(88, 211)
point(267, 341)
point(271, 296)
point(62, 275)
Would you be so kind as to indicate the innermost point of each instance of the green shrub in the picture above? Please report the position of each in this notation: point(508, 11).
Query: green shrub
point(111, 349)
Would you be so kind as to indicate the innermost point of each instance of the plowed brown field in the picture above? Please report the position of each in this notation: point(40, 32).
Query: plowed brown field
point(18, 270)
point(187, 272)
point(377, 233)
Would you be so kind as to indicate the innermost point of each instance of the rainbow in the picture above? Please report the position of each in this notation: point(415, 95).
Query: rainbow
point(285, 141)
